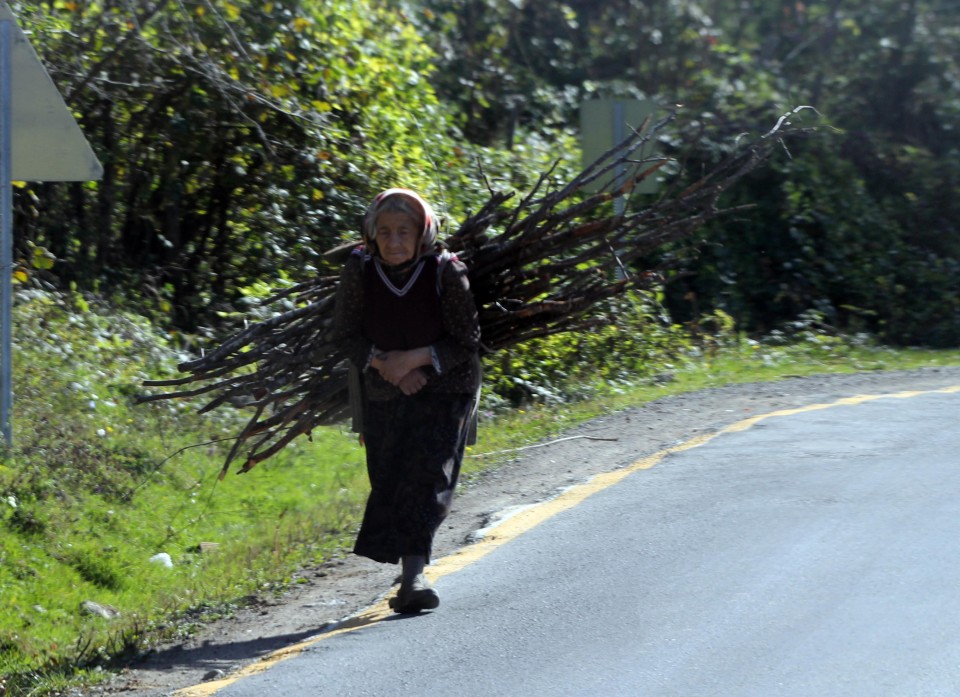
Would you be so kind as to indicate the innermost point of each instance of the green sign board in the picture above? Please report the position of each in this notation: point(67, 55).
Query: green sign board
point(607, 122)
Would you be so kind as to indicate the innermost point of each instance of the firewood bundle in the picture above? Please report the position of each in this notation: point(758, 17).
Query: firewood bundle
point(536, 267)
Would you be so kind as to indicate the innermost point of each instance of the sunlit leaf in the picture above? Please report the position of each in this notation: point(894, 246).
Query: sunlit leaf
point(43, 259)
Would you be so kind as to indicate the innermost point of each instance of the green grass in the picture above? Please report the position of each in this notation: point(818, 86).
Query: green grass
point(96, 485)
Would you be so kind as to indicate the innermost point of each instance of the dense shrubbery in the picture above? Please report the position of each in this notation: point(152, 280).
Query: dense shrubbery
point(822, 237)
point(239, 143)
point(634, 340)
point(242, 139)
point(860, 222)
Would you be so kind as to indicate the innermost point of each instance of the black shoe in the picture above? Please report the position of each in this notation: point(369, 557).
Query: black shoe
point(420, 595)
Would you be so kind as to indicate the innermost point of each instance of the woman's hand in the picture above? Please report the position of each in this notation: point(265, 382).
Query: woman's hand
point(412, 382)
point(395, 366)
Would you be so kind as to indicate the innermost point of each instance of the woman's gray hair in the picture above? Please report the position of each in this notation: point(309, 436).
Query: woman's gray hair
point(400, 204)
point(401, 201)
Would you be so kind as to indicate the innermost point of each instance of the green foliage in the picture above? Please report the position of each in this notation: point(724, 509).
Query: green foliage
point(240, 140)
point(237, 139)
point(823, 237)
point(859, 223)
point(633, 339)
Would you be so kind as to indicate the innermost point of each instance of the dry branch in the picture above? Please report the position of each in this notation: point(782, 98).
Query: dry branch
point(553, 260)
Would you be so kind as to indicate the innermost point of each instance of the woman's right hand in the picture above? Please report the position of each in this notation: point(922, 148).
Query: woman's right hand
point(395, 366)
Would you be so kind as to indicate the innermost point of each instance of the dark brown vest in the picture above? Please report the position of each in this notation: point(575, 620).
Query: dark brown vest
point(399, 319)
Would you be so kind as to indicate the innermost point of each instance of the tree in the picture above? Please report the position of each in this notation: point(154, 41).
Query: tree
point(239, 139)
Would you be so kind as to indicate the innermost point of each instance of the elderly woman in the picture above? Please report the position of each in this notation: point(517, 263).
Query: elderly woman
point(406, 319)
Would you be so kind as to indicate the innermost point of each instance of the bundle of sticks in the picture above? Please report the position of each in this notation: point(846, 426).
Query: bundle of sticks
point(536, 268)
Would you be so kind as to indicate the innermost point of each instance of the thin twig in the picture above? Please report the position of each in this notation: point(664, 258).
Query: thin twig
point(539, 445)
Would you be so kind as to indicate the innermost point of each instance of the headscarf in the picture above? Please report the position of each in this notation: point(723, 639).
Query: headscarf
point(428, 236)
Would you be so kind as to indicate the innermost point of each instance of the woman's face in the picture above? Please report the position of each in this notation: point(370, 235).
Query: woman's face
point(397, 237)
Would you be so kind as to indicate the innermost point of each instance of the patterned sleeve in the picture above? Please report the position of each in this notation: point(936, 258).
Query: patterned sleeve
point(348, 314)
point(460, 319)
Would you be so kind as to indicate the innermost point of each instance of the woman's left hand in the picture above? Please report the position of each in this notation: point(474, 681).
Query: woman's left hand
point(412, 382)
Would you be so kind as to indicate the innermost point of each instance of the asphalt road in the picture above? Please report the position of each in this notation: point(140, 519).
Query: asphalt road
point(813, 554)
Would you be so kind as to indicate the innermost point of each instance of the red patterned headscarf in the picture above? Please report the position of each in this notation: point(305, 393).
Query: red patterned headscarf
point(411, 203)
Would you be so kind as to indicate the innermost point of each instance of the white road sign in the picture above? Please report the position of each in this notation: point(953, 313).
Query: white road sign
point(47, 143)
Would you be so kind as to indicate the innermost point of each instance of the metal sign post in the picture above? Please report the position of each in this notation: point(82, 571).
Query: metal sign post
point(6, 233)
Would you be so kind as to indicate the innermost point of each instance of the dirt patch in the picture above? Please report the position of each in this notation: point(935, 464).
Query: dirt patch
point(342, 588)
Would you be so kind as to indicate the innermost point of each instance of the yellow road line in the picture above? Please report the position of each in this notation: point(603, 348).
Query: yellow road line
point(521, 522)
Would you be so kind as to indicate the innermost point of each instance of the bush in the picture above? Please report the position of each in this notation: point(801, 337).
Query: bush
point(632, 339)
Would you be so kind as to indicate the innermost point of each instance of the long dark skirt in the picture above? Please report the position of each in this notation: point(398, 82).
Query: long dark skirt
point(414, 449)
